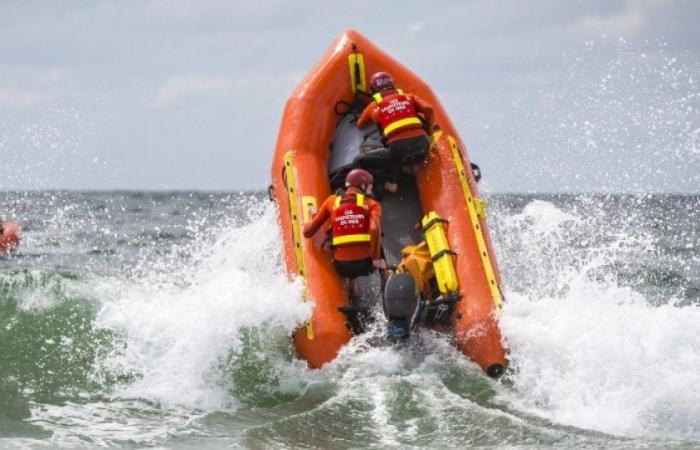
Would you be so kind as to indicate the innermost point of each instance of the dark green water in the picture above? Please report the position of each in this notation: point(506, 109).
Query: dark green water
point(163, 320)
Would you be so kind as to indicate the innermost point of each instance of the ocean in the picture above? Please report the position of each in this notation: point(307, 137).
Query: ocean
point(163, 319)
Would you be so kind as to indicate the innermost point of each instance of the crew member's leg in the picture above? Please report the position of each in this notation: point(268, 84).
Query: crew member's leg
point(351, 270)
point(409, 151)
point(380, 164)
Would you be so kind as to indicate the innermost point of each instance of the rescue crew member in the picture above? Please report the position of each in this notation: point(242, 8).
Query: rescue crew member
point(355, 228)
point(399, 116)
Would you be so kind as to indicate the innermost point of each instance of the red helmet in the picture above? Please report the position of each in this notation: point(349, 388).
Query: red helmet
point(380, 81)
point(358, 177)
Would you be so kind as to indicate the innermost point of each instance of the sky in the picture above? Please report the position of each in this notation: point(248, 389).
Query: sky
point(548, 96)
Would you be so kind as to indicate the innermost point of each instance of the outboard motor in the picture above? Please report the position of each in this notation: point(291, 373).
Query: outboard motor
point(399, 303)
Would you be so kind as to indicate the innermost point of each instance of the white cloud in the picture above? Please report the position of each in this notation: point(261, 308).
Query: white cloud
point(191, 87)
point(54, 75)
point(231, 65)
point(221, 14)
point(19, 98)
point(628, 22)
point(416, 27)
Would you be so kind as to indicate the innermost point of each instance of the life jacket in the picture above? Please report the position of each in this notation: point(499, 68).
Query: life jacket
point(396, 112)
point(350, 221)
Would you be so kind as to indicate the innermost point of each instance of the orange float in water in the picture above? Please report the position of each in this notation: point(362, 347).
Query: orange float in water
point(318, 143)
point(9, 239)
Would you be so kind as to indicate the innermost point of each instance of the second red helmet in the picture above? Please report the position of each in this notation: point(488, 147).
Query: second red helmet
point(358, 177)
point(381, 80)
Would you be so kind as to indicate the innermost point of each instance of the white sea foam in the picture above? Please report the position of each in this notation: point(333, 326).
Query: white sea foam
point(180, 332)
point(593, 353)
point(99, 424)
point(588, 351)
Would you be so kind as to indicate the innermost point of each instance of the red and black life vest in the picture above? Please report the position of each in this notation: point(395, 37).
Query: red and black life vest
point(396, 112)
point(350, 221)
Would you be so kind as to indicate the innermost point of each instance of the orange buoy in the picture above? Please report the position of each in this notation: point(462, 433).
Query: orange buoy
point(308, 157)
point(9, 239)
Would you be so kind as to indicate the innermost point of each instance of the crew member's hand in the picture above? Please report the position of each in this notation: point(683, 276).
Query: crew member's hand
point(313, 210)
point(379, 264)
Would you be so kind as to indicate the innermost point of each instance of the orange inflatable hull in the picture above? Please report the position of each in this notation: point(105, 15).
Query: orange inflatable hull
point(9, 239)
point(300, 177)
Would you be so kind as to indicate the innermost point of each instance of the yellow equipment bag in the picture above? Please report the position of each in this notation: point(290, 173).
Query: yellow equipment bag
point(416, 261)
point(440, 252)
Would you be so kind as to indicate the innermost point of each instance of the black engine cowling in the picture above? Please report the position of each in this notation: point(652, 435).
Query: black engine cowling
point(399, 303)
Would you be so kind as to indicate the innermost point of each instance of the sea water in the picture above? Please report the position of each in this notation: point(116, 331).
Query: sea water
point(144, 319)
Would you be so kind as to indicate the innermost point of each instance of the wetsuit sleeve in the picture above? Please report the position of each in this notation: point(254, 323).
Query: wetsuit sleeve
point(367, 116)
point(375, 229)
point(424, 108)
point(311, 227)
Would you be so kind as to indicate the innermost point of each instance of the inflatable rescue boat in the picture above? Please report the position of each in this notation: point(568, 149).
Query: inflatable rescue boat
point(434, 226)
point(9, 239)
